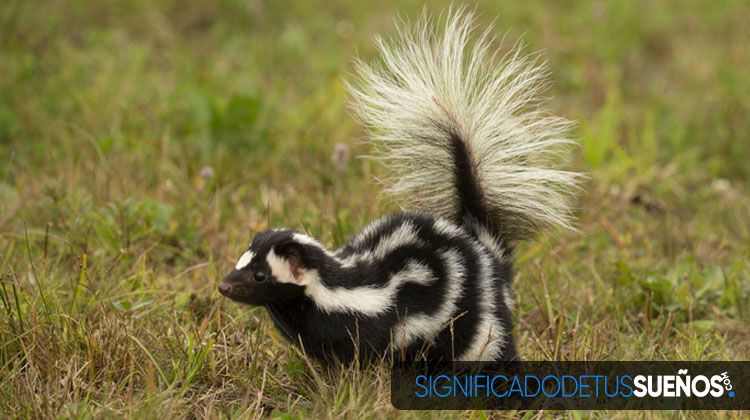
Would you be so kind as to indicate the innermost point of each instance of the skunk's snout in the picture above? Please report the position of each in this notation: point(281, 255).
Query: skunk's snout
point(225, 288)
point(229, 283)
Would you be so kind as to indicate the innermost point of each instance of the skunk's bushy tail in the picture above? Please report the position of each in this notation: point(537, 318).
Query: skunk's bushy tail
point(462, 131)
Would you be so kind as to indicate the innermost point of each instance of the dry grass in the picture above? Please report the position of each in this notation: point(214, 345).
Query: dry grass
point(113, 235)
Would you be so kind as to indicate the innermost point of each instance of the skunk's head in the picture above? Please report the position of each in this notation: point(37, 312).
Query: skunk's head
point(275, 269)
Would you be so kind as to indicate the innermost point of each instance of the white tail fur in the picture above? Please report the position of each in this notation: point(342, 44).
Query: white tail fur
point(428, 86)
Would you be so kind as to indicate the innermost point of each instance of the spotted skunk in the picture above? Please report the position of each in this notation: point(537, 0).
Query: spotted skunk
point(474, 154)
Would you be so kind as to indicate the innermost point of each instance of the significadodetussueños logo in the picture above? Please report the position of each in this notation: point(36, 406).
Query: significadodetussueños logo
point(550, 386)
point(683, 384)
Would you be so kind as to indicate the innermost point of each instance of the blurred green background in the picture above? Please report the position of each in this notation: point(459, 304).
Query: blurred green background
point(142, 143)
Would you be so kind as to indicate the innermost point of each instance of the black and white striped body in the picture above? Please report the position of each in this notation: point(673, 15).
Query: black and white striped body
point(407, 285)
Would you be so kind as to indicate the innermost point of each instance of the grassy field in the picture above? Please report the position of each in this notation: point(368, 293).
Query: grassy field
point(143, 143)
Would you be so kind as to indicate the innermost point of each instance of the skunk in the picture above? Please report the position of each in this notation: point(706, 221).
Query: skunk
point(464, 136)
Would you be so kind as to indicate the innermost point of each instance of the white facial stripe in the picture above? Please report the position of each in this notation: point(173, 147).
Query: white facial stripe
point(280, 268)
point(282, 271)
point(245, 259)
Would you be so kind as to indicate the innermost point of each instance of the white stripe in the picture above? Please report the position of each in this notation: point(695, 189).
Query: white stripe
point(489, 334)
point(448, 228)
point(307, 240)
point(244, 260)
point(367, 232)
point(367, 300)
point(404, 234)
point(280, 268)
point(427, 327)
point(282, 271)
point(488, 240)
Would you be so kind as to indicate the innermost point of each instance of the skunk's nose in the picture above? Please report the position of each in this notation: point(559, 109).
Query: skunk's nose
point(225, 288)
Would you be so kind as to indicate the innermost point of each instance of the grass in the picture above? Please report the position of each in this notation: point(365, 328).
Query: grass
point(142, 143)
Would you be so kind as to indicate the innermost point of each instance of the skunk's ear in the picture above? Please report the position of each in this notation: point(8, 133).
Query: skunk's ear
point(293, 253)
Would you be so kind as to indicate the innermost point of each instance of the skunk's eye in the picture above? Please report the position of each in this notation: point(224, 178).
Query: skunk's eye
point(260, 276)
